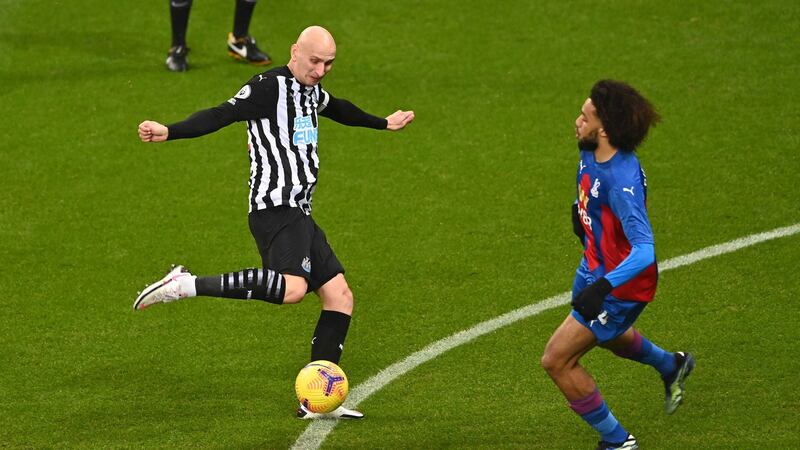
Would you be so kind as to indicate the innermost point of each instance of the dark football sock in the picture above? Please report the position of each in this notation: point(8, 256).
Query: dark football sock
point(241, 19)
point(266, 285)
point(329, 336)
point(179, 14)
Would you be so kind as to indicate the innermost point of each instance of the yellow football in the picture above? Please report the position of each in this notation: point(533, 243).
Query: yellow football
point(321, 386)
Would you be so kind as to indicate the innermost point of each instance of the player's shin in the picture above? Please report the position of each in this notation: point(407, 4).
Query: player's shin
point(329, 336)
point(257, 284)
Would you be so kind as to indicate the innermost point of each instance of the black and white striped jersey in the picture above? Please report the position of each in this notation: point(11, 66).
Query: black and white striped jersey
point(282, 137)
point(282, 134)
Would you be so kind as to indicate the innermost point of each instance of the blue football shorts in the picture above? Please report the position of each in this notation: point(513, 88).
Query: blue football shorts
point(614, 319)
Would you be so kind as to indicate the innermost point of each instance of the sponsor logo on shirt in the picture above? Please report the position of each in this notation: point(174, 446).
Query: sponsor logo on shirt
point(583, 202)
point(305, 133)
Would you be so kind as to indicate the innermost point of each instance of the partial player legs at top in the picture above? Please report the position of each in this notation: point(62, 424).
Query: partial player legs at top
point(242, 16)
point(239, 43)
point(179, 18)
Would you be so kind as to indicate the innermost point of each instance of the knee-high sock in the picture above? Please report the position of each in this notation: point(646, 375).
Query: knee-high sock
point(258, 284)
point(645, 352)
point(328, 341)
point(242, 16)
point(594, 411)
point(179, 15)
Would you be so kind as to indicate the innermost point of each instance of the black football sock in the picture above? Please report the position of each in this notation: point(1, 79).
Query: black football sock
point(179, 13)
point(266, 285)
point(329, 336)
point(241, 19)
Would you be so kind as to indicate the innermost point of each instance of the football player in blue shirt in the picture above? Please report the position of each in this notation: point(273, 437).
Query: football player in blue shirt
point(618, 273)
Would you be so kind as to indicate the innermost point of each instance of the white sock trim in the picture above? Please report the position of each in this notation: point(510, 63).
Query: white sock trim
point(187, 286)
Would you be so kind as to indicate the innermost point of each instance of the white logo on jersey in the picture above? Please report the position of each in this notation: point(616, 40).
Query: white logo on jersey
point(630, 189)
point(244, 92)
point(581, 166)
point(596, 185)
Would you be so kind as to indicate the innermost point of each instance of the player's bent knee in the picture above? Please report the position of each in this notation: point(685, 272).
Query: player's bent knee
point(337, 296)
point(341, 301)
point(551, 363)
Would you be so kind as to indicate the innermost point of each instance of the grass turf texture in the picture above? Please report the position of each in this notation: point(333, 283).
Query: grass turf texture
point(460, 218)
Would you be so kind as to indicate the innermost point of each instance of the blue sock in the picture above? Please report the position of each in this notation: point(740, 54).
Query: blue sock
point(645, 352)
point(594, 411)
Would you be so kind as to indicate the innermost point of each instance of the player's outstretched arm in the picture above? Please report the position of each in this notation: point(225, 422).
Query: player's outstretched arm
point(399, 119)
point(150, 131)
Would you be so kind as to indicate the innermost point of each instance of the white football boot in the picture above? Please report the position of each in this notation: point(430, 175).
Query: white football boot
point(165, 290)
point(338, 413)
point(630, 443)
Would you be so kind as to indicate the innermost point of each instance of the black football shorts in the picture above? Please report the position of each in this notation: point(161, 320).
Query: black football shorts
point(290, 242)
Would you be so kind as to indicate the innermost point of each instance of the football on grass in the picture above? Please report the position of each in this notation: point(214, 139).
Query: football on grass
point(321, 386)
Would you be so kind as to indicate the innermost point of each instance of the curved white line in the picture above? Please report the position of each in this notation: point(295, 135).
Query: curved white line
point(315, 434)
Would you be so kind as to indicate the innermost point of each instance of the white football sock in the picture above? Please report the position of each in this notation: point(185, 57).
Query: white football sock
point(187, 286)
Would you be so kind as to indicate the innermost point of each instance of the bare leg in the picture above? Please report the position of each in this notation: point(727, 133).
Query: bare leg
point(561, 355)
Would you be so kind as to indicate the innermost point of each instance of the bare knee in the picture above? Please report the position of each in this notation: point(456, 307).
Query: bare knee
point(340, 300)
point(549, 363)
point(553, 363)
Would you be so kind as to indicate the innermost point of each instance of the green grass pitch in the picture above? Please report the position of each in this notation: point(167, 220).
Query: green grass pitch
point(459, 218)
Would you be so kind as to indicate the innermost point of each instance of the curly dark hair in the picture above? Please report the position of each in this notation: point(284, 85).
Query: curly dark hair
point(625, 114)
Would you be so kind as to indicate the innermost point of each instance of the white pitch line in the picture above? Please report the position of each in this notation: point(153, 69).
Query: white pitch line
point(316, 433)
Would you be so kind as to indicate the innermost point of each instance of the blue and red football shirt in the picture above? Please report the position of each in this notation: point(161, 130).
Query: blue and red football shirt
point(611, 205)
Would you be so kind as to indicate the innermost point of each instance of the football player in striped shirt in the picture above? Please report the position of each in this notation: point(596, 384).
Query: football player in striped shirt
point(281, 108)
point(618, 272)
